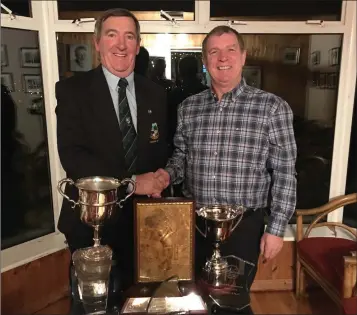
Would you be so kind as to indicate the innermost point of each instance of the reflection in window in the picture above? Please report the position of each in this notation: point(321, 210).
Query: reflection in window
point(76, 54)
point(18, 7)
point(26, 202)
point(350, 211)
point(302, 69)
point(279, 10)
point(143, 10)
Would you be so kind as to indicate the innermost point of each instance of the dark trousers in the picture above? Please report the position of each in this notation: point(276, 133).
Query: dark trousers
point(244, 243)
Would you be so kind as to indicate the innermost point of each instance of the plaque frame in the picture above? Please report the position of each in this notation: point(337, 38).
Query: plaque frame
point(163, 217)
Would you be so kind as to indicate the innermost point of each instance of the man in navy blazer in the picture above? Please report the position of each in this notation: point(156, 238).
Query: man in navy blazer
point(90, 139)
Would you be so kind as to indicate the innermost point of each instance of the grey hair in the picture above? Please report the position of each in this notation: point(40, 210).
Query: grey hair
point(220, 30)
point(115, 12)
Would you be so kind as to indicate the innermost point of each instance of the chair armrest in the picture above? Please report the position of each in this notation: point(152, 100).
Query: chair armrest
point(350, 275)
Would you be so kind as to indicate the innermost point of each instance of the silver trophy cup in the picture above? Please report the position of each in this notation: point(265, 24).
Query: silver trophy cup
point(220, 222)
point(98, 196)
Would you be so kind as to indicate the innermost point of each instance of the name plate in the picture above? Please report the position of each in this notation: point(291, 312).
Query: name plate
point(191, 303)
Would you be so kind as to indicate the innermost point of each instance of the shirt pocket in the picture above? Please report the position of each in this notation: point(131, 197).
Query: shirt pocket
point(250, 141)
point(196, 134)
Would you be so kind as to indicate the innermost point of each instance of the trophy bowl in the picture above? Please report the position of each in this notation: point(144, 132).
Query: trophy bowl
point(98, 196)
point(220, 222)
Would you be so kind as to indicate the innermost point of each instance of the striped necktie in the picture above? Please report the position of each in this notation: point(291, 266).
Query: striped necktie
point(127, 128)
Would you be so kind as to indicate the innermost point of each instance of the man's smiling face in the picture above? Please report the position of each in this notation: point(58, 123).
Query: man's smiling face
point(224, 60)
point(118, 45)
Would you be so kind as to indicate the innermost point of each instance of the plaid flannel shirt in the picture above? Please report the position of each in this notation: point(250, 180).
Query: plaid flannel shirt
point(240, 150)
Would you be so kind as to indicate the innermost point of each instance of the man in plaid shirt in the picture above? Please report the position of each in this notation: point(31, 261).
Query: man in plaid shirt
point(235, 144)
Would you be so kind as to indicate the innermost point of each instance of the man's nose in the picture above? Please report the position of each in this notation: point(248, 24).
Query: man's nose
point(222, 56)
point(121, 43)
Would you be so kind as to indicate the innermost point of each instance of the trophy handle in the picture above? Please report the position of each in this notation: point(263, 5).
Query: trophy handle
point(60, 190)
point(240, 219)
point(199, 212)
point(199, 230)
point(120, 203)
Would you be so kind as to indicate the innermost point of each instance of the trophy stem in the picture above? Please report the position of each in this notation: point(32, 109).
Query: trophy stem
point(96, 237)
point(216, 252)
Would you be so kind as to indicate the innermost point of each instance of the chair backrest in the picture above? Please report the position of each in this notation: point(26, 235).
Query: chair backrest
point(321, 212)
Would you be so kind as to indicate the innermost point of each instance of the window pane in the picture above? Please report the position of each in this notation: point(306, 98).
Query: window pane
point(18, 7)
point(279, 10)
point(350, 211)
point(76, 53)
point(302, 69)
point(143, 10)
point(26, 201)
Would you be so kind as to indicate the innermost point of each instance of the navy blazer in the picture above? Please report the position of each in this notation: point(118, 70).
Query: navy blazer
point(89, 144)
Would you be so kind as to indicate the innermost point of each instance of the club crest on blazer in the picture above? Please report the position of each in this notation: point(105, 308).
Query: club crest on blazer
point(154, 133)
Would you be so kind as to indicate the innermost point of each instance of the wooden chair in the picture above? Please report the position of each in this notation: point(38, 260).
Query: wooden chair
point(330, 261)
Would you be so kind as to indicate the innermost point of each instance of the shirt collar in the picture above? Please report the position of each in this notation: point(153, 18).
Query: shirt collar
point(113, 80)
point(234, 93)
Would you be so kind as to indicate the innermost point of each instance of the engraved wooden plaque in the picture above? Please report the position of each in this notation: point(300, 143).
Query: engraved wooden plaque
point(164, 239)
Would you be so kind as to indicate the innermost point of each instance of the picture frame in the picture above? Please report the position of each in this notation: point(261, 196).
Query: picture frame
point(332, 80)
point(33, 83)
point(8, 80)
point(322, 83)
point(4, 56)
point(334, 56)
point(164, 239)
point(80, 56)
point(315, 58)
point(30, 57)
point(291, 55)
point(252, 76)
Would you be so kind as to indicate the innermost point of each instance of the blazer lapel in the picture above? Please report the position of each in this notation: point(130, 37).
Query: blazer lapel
point(140, 103)
point(103, 109)
point(142, 119)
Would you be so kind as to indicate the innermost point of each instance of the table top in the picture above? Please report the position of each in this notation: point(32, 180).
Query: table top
point(223, 301)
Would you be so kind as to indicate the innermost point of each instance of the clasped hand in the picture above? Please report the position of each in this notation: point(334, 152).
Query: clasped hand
point(152, 184)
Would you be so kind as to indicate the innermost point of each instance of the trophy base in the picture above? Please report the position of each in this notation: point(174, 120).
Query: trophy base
point(217, 274)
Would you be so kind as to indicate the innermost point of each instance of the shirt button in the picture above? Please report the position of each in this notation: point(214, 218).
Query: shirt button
point(218, 131)
point(214, 177)
point(220, 109)
point(215, 153)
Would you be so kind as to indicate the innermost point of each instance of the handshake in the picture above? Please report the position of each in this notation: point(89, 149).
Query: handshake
point(152, 184)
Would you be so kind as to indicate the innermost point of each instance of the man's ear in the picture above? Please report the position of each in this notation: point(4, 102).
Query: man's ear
point(244, 56)
point(204, 61)
point(96, 43)
point(138, 46)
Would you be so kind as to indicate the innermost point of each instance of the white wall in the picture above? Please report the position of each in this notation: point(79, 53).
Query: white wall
point(30, 126)
point(321, 103)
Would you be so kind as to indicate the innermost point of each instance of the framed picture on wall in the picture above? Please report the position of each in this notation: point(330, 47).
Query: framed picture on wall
point(332, 80)
point(80, 57)
point(334, 56)
point(291, 55)
point(4, 56)
point(253, 76)
point(30, 57)
point(315, 57)
point(8, 81)
point(33, 83)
